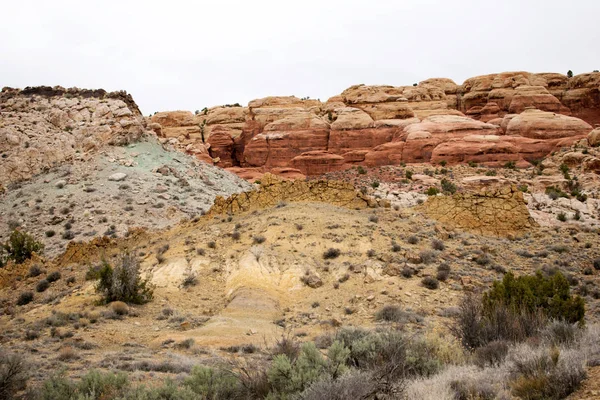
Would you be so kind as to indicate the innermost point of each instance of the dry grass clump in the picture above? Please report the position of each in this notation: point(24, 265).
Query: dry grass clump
point(331, 253)
point(119, 308)
point(391, 313)
point(67, 354)
point(430, 282)
point(443, 272)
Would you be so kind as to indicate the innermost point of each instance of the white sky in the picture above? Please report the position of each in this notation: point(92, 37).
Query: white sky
point(190, 54)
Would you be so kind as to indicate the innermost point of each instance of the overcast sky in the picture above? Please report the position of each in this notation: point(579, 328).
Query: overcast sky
point(190, 54)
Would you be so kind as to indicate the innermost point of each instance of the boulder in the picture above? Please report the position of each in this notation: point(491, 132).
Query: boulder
point(537, 124)
point(537, 97)
point(593, 138)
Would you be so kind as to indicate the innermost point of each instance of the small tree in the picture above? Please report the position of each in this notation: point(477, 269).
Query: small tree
point(569, 74)
point(13, 375)
point(531, 293)
point(124, 283)
point(19, 247)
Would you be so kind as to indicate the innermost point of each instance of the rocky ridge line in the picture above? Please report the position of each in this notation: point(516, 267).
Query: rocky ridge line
point(492, 119)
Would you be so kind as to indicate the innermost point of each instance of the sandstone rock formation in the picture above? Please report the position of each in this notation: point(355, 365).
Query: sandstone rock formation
point(492, 211)
point(594, 138)
point(490, 119)
point(41, 127)
point(274, 190)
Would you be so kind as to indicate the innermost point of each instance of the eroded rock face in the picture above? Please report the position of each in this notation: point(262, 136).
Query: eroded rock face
point(513, 92)
point(42, 127)
point(499, 211)
point(274, 190)
point(536, 124)
point(512, 116)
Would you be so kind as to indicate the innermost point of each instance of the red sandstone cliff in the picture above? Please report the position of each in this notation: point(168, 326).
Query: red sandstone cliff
point(491, 119)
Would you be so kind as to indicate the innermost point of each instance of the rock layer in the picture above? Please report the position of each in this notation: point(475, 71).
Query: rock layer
point(492, 211)
point(274, 190)
point(42, 127)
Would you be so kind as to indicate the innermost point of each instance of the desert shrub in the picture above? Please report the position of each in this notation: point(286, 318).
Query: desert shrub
point(389, 357)
point(42, 286)
point(94, 385)
point(408, 174)
point(353, 385)
point(189, 279)
point(421, 358)
point(530, 293)
point(412, 239)
point(331, 253)
point(442, 276)
point(93, 273)
point(124, 283)
point(510, 165)
point(67, 354)
point(53, 276)
point(286, 345)
point(288, 377)
point(427, 256)
point(25, 298)
point(34, 271)
point(430, 282)
point(375, 184)
point(554, 193)
point(235, 235)
point(482, 259)
point(212, 383)
point(373, 218)
point(437, 244)
point(448, 187)
point(491, 355)
point(561, 333)
point(396, 247)
point(258, 239)
point(561, 216)
point(186, 344)
point(516, 308)
point(391, 313)
point(407, 272)
point(119, 308)
point(13, 375)
point(443, 272)
point(597, 264)
point(432, 191)
point(211, 245)
point(547, 375)
point(19, 247)
point(477, 326)
point(360, 169)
